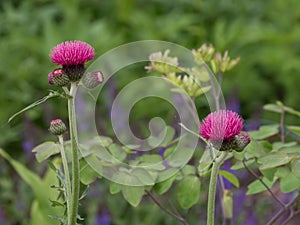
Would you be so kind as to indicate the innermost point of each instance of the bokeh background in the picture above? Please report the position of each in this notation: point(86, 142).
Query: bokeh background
point(265, 34)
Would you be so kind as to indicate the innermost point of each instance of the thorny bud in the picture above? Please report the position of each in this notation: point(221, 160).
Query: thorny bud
point(57, 127)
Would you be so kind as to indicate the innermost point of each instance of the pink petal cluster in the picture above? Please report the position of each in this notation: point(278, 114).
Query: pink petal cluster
point(72, 53)
point(56, 121)
point(221, 125)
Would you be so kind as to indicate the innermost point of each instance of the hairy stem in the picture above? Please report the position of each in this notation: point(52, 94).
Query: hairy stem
point(75, 158)
point(68, 190)
point(212, 188)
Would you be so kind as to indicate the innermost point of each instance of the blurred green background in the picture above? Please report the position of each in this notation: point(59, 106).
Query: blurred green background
point(265, 34)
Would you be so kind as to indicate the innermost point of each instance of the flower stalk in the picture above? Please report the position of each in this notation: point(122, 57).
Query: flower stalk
point(68, 191)
point(75, 158)
point(213, 186)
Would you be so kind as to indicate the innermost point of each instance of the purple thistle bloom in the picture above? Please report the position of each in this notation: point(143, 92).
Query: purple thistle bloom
point(72, 53)
point(221, 125)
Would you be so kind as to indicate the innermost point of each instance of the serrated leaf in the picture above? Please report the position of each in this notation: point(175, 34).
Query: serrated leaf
point(133, 195)
point(264, 132)
point(257, 187)
point(273, 160)
point(45, 150)
point(230, 177)
point(188, 191)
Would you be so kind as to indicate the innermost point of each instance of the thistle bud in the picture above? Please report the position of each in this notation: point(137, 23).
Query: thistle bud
point(50, 78)
point(58, 78)
point(57, 127)
point(241, 141)
point(93, 79)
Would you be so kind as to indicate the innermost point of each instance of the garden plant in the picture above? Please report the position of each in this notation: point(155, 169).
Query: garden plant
point(151, 131)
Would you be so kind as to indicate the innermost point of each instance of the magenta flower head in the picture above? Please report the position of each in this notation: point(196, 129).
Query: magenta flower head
point(72, 55)
point(222, 126)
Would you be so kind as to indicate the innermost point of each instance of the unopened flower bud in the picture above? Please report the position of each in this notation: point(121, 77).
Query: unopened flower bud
point(57, 127)
point(59, 78)
point(92, 79)
point(50, 78)
point(241, 141)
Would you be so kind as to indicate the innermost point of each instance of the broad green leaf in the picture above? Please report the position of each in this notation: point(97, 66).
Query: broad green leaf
point(40, 187)
point(114, 188)
point(164, 186)
point(289, 183)
point(151, 158)
point(282, 171)
point(163, 139)
point(169, 136)
point(133, 195)
point(188, 191)
point(52, 94)
point(230, 177)
point(269, 173)
point(144, 176)
point(117, 152)
point(257, 187)
point(45, 150)
point(188, 170)
point(36, 215)
point(279, 145)
point(169, 151)
point(257, 149)
point(204, 169)
point(294, 129)
point(265, 131)
point(295, 167)
point(239, 164)
point(279, 107)
point(87, 173)
point(273, 160)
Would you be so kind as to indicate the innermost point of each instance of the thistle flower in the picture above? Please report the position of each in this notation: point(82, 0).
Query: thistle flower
point(224, 126)
point(72, 55)
point(221, 125)
point(57, 127)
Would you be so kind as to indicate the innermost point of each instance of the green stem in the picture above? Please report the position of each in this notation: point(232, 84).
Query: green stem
point(67, 175)
point(212, 188)
point(75, 158)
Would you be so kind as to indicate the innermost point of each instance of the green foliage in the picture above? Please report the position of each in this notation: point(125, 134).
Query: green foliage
point(42, 191)
point(188, 191)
